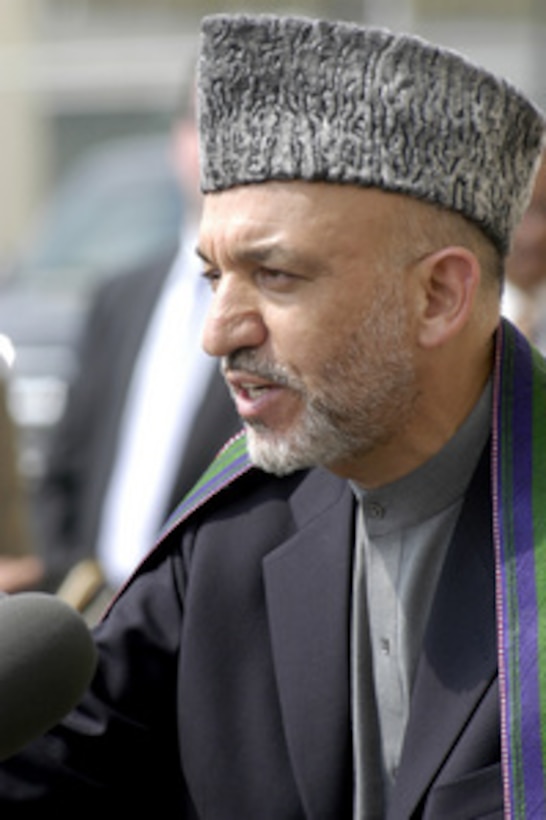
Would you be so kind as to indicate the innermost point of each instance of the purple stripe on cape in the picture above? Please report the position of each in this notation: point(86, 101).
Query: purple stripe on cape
point(522, 395)
point(209, 488)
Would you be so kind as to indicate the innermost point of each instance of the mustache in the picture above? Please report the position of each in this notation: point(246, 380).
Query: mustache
point(254, 365)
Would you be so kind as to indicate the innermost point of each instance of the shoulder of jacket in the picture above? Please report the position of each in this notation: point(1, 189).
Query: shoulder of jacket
point(231, 462)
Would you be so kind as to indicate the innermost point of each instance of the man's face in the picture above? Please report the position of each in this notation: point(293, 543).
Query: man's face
point(309, 319)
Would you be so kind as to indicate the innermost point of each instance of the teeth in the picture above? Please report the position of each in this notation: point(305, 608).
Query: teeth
point(253, 391)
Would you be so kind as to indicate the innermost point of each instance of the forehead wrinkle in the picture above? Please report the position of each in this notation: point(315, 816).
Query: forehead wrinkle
point(270, 252)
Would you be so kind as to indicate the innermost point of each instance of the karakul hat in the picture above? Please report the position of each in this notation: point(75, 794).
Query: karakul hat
point(297, 98)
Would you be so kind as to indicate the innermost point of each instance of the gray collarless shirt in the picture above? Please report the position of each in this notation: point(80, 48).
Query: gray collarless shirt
point(403, 531)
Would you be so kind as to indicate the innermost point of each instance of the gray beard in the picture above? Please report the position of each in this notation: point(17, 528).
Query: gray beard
point(367, 393)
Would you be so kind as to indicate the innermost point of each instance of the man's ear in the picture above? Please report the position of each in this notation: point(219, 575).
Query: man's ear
point(449, 280)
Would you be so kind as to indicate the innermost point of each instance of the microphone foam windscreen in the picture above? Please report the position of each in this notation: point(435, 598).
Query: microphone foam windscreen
point(47, 660)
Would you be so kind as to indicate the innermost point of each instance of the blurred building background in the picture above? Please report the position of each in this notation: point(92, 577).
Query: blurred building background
point(87, 93)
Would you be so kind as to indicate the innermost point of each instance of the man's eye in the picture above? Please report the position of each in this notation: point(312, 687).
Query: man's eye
point(276, 279)
point(211, 275)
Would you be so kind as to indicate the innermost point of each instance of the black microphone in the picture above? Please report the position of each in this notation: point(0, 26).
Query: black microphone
point(47, 660)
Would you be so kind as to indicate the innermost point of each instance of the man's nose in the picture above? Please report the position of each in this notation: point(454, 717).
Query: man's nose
point(233, 321)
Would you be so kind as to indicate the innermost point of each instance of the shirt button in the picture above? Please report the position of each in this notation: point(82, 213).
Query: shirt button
point(376, 510)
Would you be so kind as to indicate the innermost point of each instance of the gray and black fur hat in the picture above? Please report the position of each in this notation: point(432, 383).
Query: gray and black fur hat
point(298, 98)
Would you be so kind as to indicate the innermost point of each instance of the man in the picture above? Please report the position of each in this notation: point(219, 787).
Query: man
point(315, 636)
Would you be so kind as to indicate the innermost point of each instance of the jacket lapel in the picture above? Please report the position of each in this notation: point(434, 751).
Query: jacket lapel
point(308, 598)
point(458, 661)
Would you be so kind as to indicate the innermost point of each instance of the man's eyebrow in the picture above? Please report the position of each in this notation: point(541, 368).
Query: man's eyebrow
point(201, 254)
point(252, 253)
point(269, 254)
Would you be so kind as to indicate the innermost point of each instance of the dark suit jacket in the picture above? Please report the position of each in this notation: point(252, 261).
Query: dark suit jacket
point(71, 495)
point(223, 687)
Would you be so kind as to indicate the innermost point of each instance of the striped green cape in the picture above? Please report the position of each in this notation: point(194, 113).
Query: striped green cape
point(230, 463)
point(519, 530)
point(519, 497)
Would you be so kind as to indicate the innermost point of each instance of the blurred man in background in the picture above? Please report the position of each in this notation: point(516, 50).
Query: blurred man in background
point(146, 414)
point(524, 300)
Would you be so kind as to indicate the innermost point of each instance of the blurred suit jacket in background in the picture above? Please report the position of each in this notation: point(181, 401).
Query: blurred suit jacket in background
point(71, 499)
